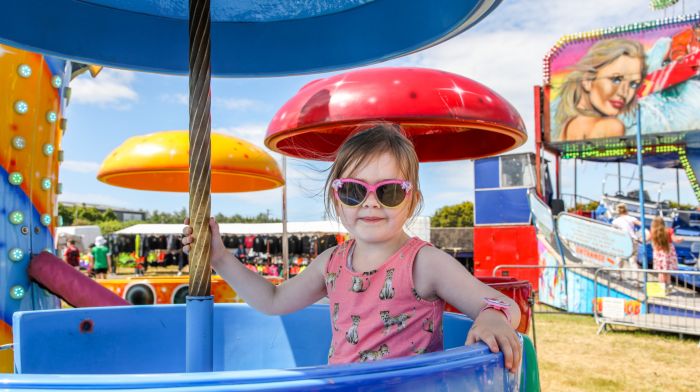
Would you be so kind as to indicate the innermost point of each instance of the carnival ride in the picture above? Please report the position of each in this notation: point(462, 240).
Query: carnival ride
point(653, 120)
point(247, 39)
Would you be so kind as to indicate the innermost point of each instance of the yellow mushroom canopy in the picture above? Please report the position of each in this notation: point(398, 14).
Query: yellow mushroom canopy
point(159, 162)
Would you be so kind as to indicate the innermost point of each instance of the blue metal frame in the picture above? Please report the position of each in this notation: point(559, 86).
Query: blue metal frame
point(199, 339)
point(152, 36)
point(250, 348)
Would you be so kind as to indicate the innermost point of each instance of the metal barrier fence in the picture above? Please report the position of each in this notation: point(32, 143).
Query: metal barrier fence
point(662, 300)
point(556, 286)
point(631, 297)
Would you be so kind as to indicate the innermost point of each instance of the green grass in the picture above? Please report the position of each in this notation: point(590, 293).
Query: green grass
point(573, 358)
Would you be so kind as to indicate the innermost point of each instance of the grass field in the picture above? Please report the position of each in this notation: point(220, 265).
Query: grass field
point(573, 358)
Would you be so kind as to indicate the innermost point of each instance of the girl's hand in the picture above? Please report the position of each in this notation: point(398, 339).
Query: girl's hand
point(218, 250)
point(492, 328)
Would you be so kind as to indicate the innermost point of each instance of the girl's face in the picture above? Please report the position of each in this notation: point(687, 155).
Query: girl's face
point(615, 85)
point(370, 222)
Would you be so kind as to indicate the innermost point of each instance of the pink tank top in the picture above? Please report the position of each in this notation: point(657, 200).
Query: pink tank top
point(378, 314)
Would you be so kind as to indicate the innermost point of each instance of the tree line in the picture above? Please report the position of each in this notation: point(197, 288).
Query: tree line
point(107, 220)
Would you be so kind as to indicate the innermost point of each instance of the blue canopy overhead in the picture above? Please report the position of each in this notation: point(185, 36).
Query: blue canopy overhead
point(249, 37)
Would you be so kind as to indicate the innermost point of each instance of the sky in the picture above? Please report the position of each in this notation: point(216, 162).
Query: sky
point(503, 52)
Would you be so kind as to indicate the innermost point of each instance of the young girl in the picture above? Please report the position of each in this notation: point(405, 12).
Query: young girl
point(386, 290)
point(664, 252)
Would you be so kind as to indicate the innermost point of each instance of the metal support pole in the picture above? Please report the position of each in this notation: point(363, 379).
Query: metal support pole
point(642, 212)
point(199, 309)
point(619, 177)
point(285, 235)
point(575, 183)
point(557, 162)
point(199, 328)
point(678, 189)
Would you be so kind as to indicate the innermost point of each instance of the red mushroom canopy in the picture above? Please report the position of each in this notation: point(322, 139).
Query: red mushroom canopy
point(447, 116)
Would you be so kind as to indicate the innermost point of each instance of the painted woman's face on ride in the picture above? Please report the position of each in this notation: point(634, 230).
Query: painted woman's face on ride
point(615, 86)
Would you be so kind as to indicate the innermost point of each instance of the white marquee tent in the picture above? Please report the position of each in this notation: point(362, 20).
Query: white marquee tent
point(420, 227)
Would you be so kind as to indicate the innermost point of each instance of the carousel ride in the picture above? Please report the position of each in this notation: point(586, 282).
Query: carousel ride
point(222, 347)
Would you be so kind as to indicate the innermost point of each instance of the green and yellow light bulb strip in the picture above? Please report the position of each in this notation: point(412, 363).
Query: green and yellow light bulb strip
point(689, 172)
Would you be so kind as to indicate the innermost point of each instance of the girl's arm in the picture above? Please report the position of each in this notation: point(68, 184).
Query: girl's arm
point(436, 274)
point(294, 294)
point(449, 280)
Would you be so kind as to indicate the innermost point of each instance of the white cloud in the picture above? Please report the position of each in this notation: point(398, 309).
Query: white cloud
point(251, 132)
point(80, 166)
point(112, 88)
point(93, 198)
point(239, 104)
point(232, 104)
point(181, 99)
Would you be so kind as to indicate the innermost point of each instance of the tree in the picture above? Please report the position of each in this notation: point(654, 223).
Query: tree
point(66, 213)
point(681, 206)
point(458, 215)
point(83, 215)
point(109, 227)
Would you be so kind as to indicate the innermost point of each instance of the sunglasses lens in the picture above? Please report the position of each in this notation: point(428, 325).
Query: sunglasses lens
point(391, 195)
point(351, 193)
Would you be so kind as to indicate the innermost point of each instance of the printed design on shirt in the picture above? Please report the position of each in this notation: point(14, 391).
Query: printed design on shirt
point(352, 336)
point(398, 320)
point(374, 355)
point(415, 294)
point(358, 284)
point(387, 291)
point(369, 273)
point(336, 308)
point(331, 277)
point(428, 325)
point(416, 350)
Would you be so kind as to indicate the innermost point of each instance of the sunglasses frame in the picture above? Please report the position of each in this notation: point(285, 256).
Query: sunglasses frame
point(371, 188)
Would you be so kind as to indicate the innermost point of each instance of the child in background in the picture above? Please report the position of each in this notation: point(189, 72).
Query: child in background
point(664, 252)
point(72, 255)
point(386, 290)
point(91, 262)
point(101, 258)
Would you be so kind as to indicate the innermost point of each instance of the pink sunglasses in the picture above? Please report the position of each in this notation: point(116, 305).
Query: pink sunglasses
point(389, 193)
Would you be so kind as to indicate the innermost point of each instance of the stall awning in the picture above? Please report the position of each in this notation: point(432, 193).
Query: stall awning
point(242, 228)
point(419, 226)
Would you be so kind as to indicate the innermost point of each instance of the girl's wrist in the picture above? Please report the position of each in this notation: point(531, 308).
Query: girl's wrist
point(497, 305)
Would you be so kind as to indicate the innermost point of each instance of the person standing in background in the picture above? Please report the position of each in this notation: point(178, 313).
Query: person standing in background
point(664, 252)
point(101, 258)
point(72, 255)
point(628, 223)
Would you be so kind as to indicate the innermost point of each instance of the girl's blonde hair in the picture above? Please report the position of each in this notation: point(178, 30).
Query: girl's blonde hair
point(599, 55)
point(366, 143)
point(621, 208)
point(659, 234)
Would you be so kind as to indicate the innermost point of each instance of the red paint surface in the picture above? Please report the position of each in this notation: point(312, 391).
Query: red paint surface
point(512, 245)
point(447, 116)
